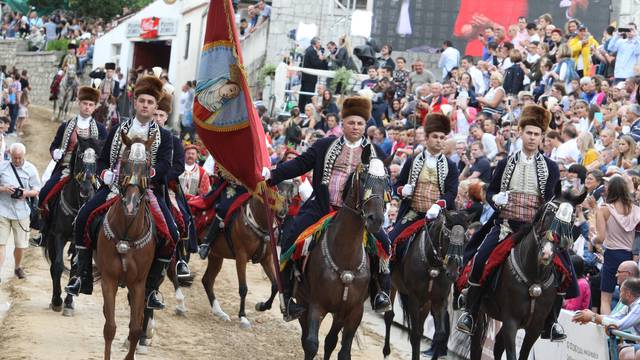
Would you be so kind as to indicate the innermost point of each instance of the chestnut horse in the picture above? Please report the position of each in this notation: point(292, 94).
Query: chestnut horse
point(337, 276)
point(245, 238)
point(127, 242)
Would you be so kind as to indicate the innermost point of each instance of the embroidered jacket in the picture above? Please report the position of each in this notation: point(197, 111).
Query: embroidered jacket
point(320, 158)
point(64, 134)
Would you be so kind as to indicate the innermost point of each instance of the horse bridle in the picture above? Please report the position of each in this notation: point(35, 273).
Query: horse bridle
point(359, 206)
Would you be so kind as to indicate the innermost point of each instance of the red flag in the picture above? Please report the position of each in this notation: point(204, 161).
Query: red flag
point(224, 115)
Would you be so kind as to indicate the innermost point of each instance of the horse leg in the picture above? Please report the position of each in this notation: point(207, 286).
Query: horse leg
point(109, 290)
point(56, 269)
point(331, 340)
point(530, 338)
point(241, 269)
point(137, 316)
point(509, 329)
point(498, 346)
point(441, 335)
point(388, 321)
point(415, 326)
point(181, 307)
point(267, 266)
point(147, 333)
point(208, 280)
point(478, 337)
point(311, 343)
point(351, 323)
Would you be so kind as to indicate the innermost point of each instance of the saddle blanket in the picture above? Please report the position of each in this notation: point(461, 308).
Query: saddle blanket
point(306, 241)
point(499, 256)
point(405, 235)
point(55, 190)
point(204, 211)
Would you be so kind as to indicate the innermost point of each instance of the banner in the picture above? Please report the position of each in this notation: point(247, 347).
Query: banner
point(224, 115)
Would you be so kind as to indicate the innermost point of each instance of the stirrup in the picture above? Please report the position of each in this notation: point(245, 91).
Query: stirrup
point(380, 297)
point(160, 301)
point(188, 274)
point(201, 251)
point(557, 325)
point(288, 315)
point(473, 324)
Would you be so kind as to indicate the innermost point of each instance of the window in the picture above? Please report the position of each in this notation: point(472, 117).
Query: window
point(186, 42)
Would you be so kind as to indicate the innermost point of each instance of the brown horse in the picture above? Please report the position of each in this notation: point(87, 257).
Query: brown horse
point(337, 277)
point(435, 254)
point(126, 243)
point(245, 238)
point(526, 289)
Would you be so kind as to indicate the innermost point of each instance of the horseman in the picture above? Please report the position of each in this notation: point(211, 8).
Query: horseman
point(194, 179)
point(520, 186)
point(333, 160)
point(70, 61)
point(109, 86)
point(174, 197)
point(64, 146)
point(428, 182)
point(147, 93)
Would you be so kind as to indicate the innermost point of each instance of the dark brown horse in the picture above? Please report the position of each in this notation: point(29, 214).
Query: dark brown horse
point(127, 242)
point(526, 289)
point(245, 238)
point(424, 276)
point(337, 277)
point(74, 194)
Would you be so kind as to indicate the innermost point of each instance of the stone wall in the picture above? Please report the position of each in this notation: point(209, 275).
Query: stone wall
point(41, 67)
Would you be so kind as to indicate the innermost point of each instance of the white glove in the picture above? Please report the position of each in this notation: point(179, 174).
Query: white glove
point(107, 177)
point(266, 173)
point(501, 198)
point(407, 190)
point(57, 154)
point(433, 212)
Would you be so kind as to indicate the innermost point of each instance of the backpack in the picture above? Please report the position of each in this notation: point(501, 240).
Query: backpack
point(513, 79)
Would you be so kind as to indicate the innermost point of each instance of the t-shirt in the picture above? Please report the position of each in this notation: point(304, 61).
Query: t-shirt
point(50, 29)
point(482, 166)
point(418, 79)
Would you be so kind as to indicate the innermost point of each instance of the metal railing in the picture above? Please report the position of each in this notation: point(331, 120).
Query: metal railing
point(614, 340)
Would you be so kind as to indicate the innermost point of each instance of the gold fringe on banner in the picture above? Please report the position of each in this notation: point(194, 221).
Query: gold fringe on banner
point(276, 201)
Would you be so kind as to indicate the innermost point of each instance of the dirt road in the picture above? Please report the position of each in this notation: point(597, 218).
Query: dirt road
point(31, 331)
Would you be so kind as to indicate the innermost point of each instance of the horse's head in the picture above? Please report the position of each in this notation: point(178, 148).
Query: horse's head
point(85, 167)
point(288, 189)
point(448, 234)
point(369, 186)
point(135, 173)
point(553, 224)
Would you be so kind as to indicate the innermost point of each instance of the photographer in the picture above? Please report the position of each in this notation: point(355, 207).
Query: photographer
point(19, 180)
point(627, 46)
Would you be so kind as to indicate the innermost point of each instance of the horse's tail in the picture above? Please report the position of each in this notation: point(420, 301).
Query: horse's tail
point(406, 315)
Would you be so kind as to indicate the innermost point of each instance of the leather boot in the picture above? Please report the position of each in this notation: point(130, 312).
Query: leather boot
point(466, 322)
point(214, 229)
point(83, 281)
point(155, 277)
point(182, 268)
point(292, 310)
point(553, 331)
point(382, 301)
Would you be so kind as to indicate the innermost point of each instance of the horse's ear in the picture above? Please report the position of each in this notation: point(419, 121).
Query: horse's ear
point(366, 154)
point(579, 199)
point(558, 190)
point(125, 139)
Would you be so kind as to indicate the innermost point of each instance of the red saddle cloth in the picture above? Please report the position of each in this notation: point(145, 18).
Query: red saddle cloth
point(55, 190)
point(499, 256)
point(204, 211)
point(406, 234)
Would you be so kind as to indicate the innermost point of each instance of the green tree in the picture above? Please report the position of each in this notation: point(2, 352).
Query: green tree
point(106, 9)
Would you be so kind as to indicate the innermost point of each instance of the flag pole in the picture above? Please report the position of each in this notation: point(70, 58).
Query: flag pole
point(274, 248)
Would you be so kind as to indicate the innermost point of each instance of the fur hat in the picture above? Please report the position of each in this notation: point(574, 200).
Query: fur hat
point(110, 66)
point(535, 115)
point(165, 103)
point(88, 93)
point(149, 85)
point(72, 45)
point(437, 122)
point(358, 106)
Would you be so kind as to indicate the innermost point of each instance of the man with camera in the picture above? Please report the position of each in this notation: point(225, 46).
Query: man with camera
point(627, 48)
point(19, 180)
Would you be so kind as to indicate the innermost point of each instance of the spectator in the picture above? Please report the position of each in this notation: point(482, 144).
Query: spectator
point(333, 125)
point(372, 81)
point(581, 45)
point(627, 151)
point(419, 76)
point(588, 153)
point(514, 76)
point(449, 58)
point(314, 58)
point(19, 181)
point(568, 151)
point(401, 78)
point(467, 65)
point(488, 140)
point(633, 114)
point(385, 60)
point(478, 167)
point(616, 223)
point(491, 102)
point(626, 46)
point(584, 299)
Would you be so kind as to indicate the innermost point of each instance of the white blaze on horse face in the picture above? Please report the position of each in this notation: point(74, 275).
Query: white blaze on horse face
point(138, 152)
point(376, 167)
point(565, 212)
point(547, 250)
point(89, 156)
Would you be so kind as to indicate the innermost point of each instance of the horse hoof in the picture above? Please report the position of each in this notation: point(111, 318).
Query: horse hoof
point(151, 330)
point(142, 350)
point(181, 311)
point(56, 308)
point(68, 312)
point(217, 311)
point(245, 323)
point(261, 306)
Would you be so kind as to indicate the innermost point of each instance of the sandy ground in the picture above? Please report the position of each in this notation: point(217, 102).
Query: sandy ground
point(29, 330)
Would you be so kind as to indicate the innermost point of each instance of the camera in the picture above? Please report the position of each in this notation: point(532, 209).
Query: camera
point(17, 193)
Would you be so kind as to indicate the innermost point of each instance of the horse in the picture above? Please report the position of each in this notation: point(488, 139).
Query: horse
point(434, 255)
point(246, 237)
point(336, 279)
point(68, 91)
point(107, 114)
point(526, 290)
point(74, 194)
point(127, 243)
